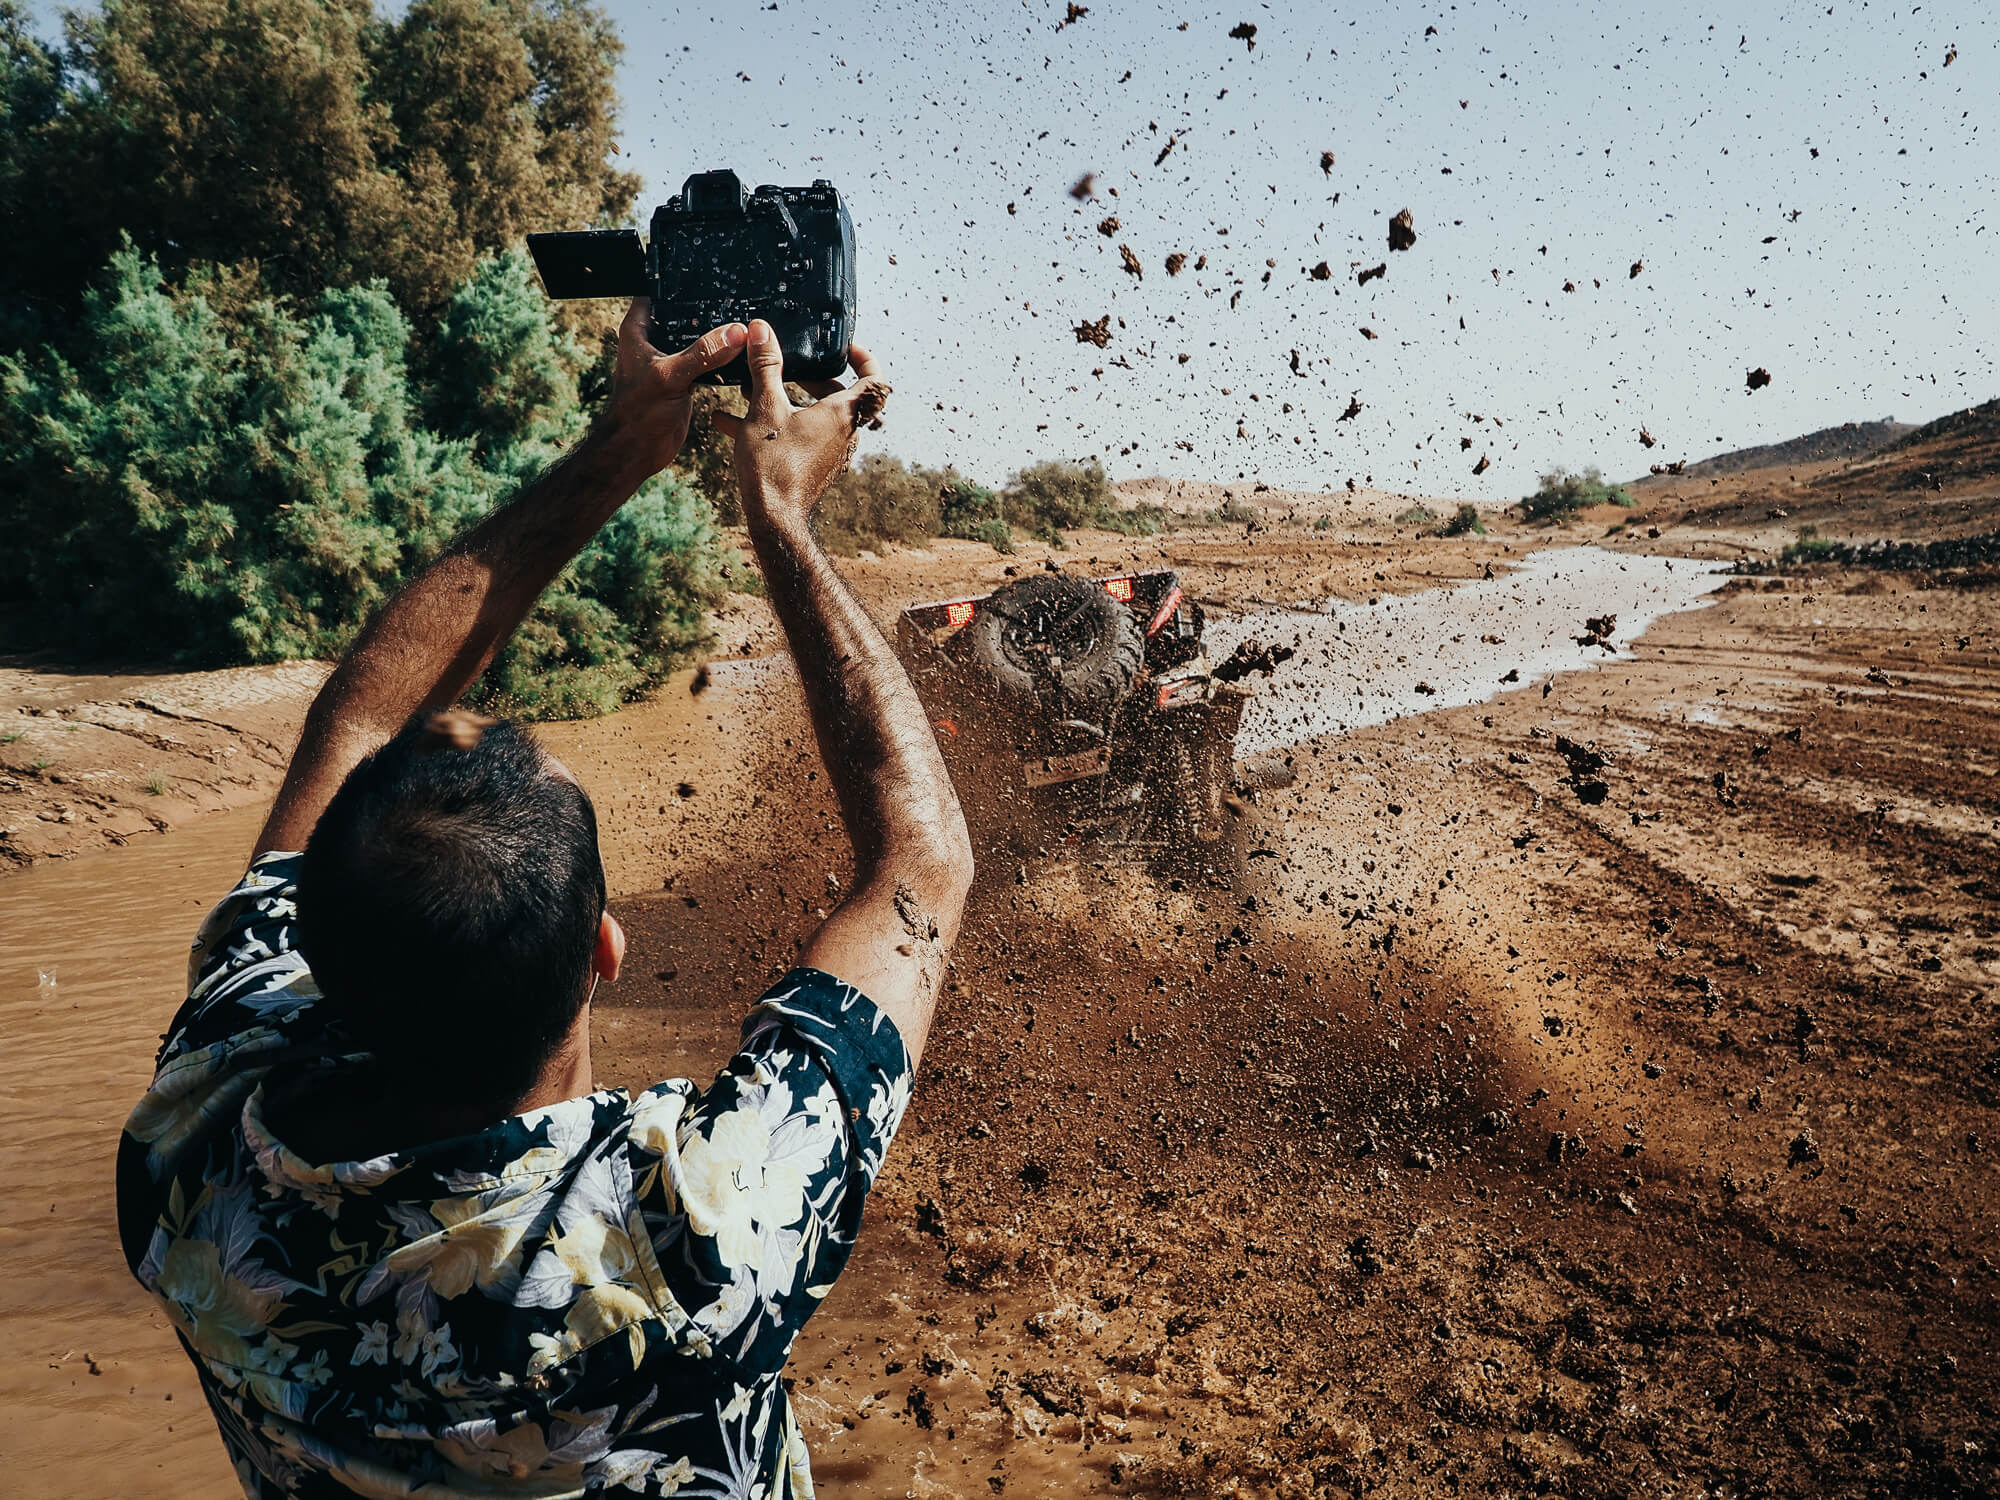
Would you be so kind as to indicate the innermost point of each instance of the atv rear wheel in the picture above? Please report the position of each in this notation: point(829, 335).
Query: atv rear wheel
point(1052, 637)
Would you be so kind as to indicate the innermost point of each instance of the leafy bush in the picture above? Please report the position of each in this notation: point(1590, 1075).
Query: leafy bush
point(248, 486)
point(1562, 494)
point(1417, 515)
point(1465, 521)
point(1133, 520)
point(1324, 523)
point(878, 500)
point(995, 532)
point(1049, 498)
point(970, 510)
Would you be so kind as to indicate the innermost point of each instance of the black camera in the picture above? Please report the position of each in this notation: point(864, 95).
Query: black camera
point(718, 255)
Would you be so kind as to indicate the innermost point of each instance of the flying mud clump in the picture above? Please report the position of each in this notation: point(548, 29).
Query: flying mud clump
point(1402, 231)
point(1597, 632)
point(1585, 762)
point(1098, 333)
point(1252, 656)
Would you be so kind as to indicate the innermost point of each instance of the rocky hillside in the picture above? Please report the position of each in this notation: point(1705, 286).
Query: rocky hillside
point(1848, 440)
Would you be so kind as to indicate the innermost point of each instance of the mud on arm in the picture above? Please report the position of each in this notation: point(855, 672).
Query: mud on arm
point(889, 938)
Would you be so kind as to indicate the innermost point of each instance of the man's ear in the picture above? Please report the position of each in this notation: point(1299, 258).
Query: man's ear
point(609, 954)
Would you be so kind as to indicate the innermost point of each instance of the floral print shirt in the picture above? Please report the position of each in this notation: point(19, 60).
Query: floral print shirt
point(597, 1296)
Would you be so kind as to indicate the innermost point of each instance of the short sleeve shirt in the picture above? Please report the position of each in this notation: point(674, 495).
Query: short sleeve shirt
point(597, 1296)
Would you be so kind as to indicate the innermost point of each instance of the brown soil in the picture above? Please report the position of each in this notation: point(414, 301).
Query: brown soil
point(1472, 1139)
point(1935, 481)
point(89, 760)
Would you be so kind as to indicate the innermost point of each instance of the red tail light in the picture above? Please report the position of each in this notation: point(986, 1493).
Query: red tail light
point(958, 614)
point(1119, 589)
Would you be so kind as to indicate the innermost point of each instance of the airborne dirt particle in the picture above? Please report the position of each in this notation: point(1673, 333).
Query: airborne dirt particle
point(1402, 231)
point(1371, 273)
point(1758, 378)
point(1326, 163)
point(1131, 263)
point(1245, 33)
point(1098, 333)
point(1175, 262)
point(1597, 632)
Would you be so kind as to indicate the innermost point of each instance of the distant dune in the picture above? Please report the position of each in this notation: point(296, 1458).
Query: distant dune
point(1859, 481)
point(1849, 440)
point(1962, 446)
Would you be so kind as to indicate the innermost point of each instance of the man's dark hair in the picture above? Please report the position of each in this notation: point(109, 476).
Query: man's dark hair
point(449, 901)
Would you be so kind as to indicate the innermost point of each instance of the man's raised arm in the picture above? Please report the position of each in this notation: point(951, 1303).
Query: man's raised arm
point(438, 634)
point(913, 860)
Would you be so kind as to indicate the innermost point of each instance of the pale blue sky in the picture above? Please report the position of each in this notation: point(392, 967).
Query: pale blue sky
point(1664, 133)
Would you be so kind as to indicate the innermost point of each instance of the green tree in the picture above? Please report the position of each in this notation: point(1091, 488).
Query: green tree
point(1049, 498)
point(317, 352)
point(309, 140)
point(970, 510)
point(32, 91)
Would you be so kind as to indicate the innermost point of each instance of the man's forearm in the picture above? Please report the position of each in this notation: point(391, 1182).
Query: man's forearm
point(874, 736)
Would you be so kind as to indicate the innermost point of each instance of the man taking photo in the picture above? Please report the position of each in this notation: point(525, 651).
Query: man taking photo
point(409, 1246)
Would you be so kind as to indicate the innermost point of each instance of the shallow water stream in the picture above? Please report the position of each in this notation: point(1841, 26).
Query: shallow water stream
point(1361, 664)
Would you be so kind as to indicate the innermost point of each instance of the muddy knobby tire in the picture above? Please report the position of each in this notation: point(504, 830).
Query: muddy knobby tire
point(1105, 643)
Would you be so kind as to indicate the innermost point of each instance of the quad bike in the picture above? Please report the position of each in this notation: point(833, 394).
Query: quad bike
point(1080, 708)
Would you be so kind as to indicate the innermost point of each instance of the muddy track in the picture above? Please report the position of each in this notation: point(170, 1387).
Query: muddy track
point(1414, 1158)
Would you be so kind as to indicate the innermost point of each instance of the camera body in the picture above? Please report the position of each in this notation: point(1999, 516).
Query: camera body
point(719, 255)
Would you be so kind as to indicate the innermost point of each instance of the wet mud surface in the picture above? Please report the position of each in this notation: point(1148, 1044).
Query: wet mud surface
point(1477, 1136)
point(1476, 1133)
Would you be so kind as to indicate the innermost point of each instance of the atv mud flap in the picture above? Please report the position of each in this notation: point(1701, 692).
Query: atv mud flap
point(1225, 713)
point(1052, 770)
